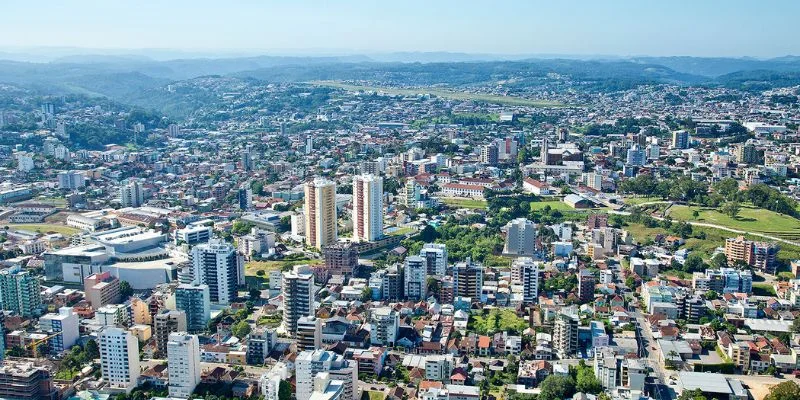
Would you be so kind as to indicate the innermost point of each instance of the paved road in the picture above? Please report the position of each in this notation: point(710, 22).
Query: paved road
point(647, 344)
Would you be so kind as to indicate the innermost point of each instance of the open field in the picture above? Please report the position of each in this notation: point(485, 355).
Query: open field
point(488, 98)
point(639, 200)
point(402, 231)
point(252, 267)
point(749, 219)
point(46, 228)
point(763, 289)
point(713, 238)
point(554, 204)
point(464, 203)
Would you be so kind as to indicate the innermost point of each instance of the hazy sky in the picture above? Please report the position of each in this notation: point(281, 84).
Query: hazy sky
point(613, 27)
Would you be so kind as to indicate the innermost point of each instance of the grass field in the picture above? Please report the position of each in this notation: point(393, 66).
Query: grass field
point(639, 200)
point(713, 238)
point(46, 228)
point(763, 289)
point(464, 203)
point(488, 98)
point(554, 204)
point(402, 231)
point(749, 219)
point(252, 267)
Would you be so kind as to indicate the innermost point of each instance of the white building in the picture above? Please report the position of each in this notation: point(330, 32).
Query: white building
point(367, 208)
point(298, 296)
point(217, 265)
point(384, 325)
point(270, 382)
point(439, 367)
point(119, 358)
point(520, 237)
point(435, 255)
point(309, 363)
point(524, 270)
point(183, 360)
point(25, 162)
point(71, 180)
point(326, 388)
point(131, 194)
point(65, 322)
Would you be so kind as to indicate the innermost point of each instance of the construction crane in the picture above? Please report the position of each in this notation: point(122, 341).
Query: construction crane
point(34, 345)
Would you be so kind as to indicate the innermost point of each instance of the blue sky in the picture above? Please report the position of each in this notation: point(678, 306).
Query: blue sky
point(612, 27)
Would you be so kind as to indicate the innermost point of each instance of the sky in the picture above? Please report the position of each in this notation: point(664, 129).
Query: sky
point(569, 27)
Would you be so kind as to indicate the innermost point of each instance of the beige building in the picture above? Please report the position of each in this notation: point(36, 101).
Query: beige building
point(101, 289)
point(320, 213)
point(367, 208)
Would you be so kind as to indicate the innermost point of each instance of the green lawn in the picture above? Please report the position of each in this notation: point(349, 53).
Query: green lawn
point(402, 231)
point(494, 261)
point(639, 200)
point(713, 238)
point(252, 267)
point(464, 203)
point(763, 289)
point(554, 204)
point(373, 395)
point(488, 98)
point(46, 228)
point(749, 219)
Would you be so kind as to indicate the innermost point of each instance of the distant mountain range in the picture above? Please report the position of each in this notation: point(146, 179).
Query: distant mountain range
point(129, 77)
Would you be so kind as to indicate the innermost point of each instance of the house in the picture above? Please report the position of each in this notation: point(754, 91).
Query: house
point(531, 373)
point(484, 345)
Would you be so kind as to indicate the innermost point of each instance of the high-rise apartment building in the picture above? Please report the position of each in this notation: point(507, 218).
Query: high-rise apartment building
point(165, 323)
point(131, 194)
point(526, 271)
point(195, 301)
point(25, 380)
point(468, 279)
point(183, 360)
point(341, 259)
point(759, 255)
point(298, 296)
point(415, 278)
point(565, 335)
point(435, 255)
point(680, 140)
point(216, 264)
point(20, 292)
point(71, 180)
point(520, 237)
point(64, 325)
point(119, 358)
point(320, 213)
point(586, 282)
point(385, 323)
point(490, 154)
point(367, 208)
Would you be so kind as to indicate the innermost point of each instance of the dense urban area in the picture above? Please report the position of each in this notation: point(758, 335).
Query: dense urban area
point(443, 231)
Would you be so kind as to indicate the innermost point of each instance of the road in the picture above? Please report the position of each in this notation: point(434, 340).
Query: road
point(646, 345)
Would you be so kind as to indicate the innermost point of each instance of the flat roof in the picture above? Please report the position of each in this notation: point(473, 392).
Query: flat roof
point(706, 382)
point(769, 325)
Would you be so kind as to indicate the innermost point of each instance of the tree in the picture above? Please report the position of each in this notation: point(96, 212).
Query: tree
point(284, 390)
point(719, 260)
point(125, 289)
point(240, 329)
point(731, 209)
point(585, 380)
point(696, 394)
point(254, 294)
point(796, 325)
point(694, 263)
point(92, 349)
point(366, 294)
point(556, 387)
point(784, 391)
point(711, 295)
